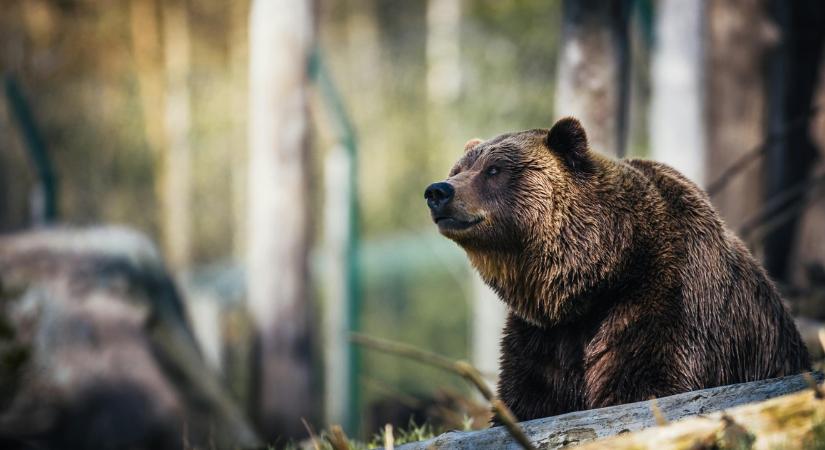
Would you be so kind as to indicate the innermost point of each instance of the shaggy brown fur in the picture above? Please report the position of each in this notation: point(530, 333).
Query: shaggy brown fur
point(621, 280)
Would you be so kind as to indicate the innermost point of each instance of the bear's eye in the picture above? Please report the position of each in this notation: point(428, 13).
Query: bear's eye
point(492, 170)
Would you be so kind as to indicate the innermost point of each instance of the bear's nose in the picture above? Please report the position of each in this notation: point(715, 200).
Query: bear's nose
point(438, 194)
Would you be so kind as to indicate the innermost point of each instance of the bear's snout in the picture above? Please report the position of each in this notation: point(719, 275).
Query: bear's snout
point(438, 195)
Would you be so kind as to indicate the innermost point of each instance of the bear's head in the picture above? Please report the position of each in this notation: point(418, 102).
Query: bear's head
point(529, 209)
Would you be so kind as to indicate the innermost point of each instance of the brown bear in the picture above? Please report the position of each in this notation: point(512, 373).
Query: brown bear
point(621, 280)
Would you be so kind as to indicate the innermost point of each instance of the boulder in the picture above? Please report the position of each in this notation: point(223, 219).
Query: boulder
point(96, 352)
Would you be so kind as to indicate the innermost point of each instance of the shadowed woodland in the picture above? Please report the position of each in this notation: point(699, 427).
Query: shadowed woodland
point(201, 201)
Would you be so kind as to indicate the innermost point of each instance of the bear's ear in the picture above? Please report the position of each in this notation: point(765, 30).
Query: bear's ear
point(472, 143)
point(568, 140)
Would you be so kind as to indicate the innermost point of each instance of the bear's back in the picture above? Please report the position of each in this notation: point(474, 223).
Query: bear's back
point(731, 308)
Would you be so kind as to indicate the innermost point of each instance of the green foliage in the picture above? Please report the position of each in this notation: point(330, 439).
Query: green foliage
point(412, 433)
point(378, 54)
point(415, 292)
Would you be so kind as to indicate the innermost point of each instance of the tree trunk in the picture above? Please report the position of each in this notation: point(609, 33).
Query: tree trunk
point(808, 260)
point(176, 166)
point(146, 51)
point(280, 39)
point(489, 314)
point(794, 71)
point(148, 58)
point(738, 37)
point(677, 132)
point(592, 82)
point(443, 47)
point(238, 57)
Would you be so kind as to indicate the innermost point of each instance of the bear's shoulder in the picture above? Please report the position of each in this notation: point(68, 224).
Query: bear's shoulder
point(683, 196)
point(662, 174)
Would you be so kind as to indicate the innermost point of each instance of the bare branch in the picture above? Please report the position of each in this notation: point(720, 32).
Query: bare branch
point(461, 368)
point(778, 202)
point(759, 151)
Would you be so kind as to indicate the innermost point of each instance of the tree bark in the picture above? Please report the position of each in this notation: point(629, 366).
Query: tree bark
point(238, 57)
point(443, 51)
point(738, 38)
point(148, 58)
point(794, 71)
point(280, 39)
point(176, 166)
point(146, 51)
point(592, 81)
point(808, 256)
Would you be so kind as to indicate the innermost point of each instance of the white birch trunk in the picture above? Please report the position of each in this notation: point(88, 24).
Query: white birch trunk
point(677, 131)
point(281, 37)
point(489, 314)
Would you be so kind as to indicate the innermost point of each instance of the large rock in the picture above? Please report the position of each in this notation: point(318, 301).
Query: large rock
point(95, 351)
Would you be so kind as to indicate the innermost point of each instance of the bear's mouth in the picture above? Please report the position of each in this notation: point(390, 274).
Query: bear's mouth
point(452, 223)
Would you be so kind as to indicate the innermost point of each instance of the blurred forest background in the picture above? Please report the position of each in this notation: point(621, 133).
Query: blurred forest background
point(277, 152)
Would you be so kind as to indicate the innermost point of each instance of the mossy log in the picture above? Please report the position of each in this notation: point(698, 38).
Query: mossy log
point(583, 426)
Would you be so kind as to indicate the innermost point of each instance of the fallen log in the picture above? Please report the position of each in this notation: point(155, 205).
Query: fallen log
point(794, 421)
point(583, 426)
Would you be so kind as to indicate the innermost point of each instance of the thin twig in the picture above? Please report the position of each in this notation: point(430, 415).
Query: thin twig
point(818, 394)
point(337, 439)
point(461, 368)
point(657, 413)
point(780, 219)
point(759, 151)
point(777, 202)
point(312, 436)
point(405, 350)
point(739, 165)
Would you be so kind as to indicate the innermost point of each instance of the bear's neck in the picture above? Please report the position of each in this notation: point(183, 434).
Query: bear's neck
point(542, 289)
point(589, 259)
